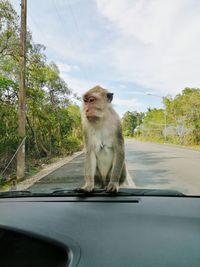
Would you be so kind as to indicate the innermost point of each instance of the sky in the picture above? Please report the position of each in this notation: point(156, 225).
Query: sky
point(130, 47)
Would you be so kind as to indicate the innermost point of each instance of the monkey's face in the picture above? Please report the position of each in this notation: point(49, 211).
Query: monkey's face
point(94, 106)
point(96, 101)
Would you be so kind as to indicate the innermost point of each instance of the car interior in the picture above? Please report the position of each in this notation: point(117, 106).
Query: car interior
point(141, 228)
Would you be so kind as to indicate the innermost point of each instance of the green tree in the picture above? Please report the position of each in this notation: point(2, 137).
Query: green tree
point(9, 29)
point(53, 121)
point(153, 125)
point(183, 112)
point(130, 121)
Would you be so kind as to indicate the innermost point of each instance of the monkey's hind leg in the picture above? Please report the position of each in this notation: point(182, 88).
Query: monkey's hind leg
point(122, 183)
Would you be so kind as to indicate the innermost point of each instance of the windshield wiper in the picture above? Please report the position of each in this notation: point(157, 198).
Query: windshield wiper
point(16, 193)
point(135, 192)
point(72, 192)
point(121, 192)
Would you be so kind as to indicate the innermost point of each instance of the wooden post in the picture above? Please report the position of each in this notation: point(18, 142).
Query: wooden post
point(22, 92)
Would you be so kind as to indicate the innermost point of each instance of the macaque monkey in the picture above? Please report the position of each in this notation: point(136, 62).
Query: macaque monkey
point(104, 143)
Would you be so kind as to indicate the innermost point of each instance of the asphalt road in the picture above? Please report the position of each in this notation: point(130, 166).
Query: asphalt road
point(163, 166)
point(150, 166)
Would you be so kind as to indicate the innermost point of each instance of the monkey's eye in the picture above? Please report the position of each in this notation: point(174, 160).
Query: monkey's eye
point(91, 100)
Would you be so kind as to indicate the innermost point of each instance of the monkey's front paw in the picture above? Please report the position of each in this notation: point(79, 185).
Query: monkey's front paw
point(87, 188)
point(112, 187)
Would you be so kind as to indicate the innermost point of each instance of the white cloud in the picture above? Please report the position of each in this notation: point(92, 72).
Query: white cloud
point(151, 43)
point(143, 20)
point(78, 85)
point(158, 43)
point(65, 68)
point(76, 68)
point(122, 86)
point(132, 104)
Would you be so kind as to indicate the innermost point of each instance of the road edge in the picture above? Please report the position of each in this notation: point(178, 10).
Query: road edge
point(166, 144)
point(46, 171)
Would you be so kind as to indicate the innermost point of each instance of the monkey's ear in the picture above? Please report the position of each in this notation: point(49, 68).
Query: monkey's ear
point(110, 97)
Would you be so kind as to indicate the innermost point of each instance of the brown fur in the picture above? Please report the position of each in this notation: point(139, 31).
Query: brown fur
point(104, 142)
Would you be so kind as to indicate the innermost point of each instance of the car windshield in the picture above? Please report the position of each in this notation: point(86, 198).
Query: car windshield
point(142, 61)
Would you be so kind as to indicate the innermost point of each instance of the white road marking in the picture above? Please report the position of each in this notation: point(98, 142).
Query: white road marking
point(129, 181)
point(131, 184)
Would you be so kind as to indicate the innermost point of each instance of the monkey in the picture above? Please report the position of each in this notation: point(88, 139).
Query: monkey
point(104, 142)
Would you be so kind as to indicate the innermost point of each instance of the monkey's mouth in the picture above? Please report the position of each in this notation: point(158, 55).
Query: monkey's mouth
point(92, 118)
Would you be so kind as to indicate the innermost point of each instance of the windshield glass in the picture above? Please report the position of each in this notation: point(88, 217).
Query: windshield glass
point(140, 58)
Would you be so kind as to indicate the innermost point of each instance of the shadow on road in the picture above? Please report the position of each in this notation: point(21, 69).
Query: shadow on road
point(149, 157)
point(145, 167)
point(149, 177)
point(68, 176)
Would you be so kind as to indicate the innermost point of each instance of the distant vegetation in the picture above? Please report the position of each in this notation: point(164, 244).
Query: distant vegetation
point(53, 121)
point(182, 120)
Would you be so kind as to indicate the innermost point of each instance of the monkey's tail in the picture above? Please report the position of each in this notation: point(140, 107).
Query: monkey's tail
point(128, 183)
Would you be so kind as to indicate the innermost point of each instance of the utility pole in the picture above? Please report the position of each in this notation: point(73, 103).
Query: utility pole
point(22, 92)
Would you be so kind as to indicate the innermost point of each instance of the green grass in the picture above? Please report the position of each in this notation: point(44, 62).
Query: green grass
point(32, 170)
point(161, 141)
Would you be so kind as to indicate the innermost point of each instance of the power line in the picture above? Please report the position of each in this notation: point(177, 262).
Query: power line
point(19, 147)
point(42, 33)
point(84, 72)
point(75, 22)
point(81, 40)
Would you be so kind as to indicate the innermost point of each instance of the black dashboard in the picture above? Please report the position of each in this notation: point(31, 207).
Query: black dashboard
point(95, 232)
